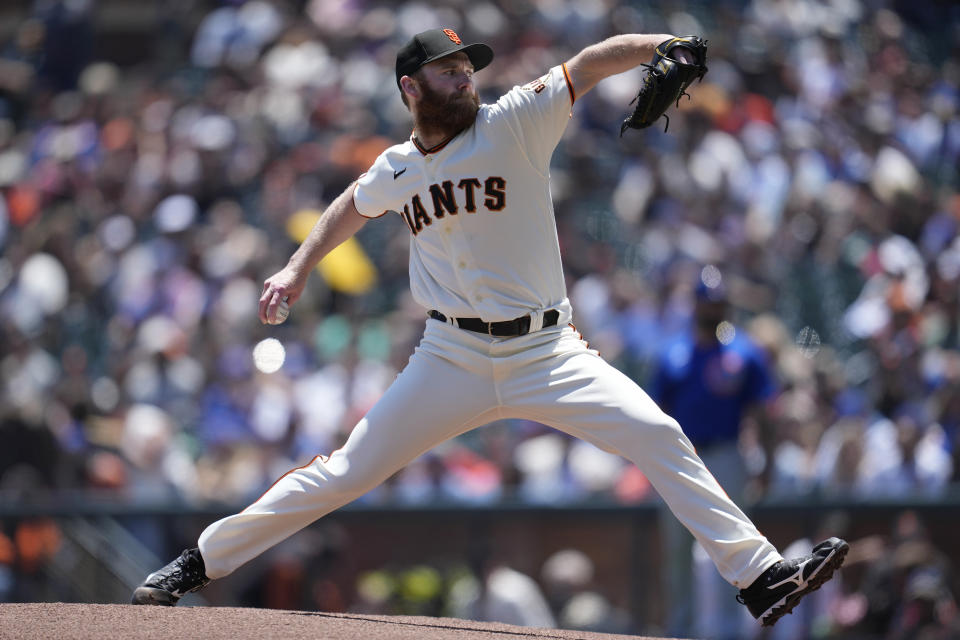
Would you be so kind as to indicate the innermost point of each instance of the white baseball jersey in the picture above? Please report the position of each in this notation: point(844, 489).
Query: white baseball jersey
point(483, 237)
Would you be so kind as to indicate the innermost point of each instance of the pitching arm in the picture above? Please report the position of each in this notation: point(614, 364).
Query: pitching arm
point(340, 221)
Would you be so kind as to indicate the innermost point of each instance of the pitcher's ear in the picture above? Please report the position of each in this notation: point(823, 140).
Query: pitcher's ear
point(410, 87)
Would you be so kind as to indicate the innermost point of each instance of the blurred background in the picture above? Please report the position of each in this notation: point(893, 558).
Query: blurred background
point(780, 270)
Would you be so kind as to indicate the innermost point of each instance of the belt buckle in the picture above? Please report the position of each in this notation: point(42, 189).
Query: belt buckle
point(490, 330)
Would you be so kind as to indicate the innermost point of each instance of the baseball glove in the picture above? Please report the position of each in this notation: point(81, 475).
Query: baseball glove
point(667, 79)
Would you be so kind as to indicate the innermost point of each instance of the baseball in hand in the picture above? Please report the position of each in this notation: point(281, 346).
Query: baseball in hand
point(283, 312)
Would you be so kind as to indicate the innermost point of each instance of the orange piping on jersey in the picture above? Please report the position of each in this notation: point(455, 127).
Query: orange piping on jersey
point(566, 76)
point(433, 149)
point(379, 215)
point(315, 458)
point(356, 186)
point(585, 343)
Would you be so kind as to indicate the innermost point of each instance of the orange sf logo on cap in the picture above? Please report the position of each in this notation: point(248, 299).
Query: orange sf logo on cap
point(453, 36)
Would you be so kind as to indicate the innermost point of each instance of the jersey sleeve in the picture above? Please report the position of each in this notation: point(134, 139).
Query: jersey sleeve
point(372, 195)
point(538, 113)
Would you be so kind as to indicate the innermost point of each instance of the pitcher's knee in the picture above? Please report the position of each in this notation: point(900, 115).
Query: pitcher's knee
point(669, 429)
point(351, 485)
point(349, 481)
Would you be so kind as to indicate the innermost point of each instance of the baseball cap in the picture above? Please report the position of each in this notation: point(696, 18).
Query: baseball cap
point(434, 44)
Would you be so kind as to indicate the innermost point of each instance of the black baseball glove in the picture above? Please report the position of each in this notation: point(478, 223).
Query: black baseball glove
point(667, 79)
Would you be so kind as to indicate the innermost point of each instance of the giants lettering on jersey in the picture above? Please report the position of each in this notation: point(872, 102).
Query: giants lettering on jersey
point(448, 198)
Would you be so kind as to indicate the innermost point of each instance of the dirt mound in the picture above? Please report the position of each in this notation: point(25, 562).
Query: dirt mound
point(61, 621)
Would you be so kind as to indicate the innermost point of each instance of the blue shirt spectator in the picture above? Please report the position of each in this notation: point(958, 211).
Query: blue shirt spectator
point(708, 378)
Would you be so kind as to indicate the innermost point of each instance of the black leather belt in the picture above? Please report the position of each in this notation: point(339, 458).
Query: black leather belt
point(504, 329)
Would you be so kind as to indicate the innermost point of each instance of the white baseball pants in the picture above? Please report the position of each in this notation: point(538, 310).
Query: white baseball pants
point(457, 380)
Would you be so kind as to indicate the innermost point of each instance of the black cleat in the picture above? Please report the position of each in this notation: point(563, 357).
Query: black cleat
point(781, 587)
point(167, 585)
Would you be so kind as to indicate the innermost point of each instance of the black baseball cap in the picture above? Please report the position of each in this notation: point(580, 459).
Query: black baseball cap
point(434, 44)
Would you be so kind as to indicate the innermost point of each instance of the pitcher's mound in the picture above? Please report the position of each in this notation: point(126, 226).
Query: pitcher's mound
point(126, 622)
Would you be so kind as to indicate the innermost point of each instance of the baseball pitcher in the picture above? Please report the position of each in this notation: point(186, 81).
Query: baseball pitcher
point(472, 185)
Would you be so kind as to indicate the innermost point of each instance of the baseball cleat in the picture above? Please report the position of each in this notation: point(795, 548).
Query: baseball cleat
point(166, 586)
point(781, 587)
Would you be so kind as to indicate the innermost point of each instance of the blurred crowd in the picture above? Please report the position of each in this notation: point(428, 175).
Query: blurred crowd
point(155, 168)
point(145, 200)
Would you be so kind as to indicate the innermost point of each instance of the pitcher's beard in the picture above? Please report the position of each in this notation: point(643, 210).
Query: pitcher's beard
point(445, 116)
